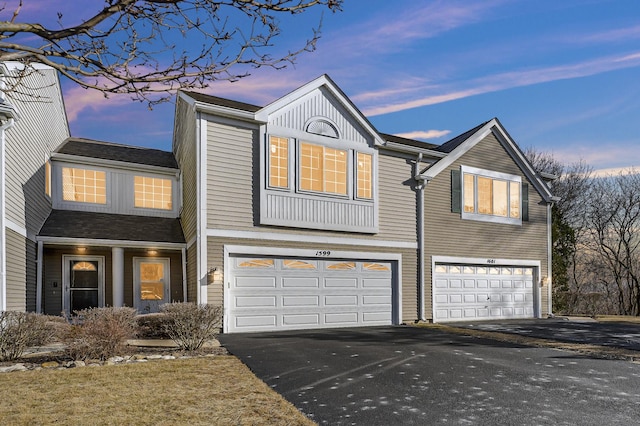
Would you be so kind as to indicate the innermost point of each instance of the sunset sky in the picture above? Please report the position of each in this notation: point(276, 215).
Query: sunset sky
point(562, 76)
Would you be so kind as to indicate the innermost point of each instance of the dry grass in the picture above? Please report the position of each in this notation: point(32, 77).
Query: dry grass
point(586, 349)
point(213, 390)
point(618, 318)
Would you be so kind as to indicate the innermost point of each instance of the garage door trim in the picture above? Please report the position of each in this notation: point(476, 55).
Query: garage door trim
point(489, 262)
point(322, 253)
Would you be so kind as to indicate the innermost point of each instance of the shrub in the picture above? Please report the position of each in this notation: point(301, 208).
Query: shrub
point(100, 333)
point(19, 330)
point(191, 325)
point(152, 326)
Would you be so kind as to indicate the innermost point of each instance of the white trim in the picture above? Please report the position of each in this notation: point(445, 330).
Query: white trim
point(184, 274)
point(66, 285)
point(322, 81)
point(39, 271)
point(109, 243)
point(461, 149)
point(3, 220)
point(9, 224)
point(316, 239)
point(113, 164)
point(201, 231)
point(230, 250)
point(489, 262)
point(549, 262)
point(166, 261)
point(493, 175)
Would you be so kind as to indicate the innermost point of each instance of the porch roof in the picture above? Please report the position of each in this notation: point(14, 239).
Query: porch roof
point(105, 226)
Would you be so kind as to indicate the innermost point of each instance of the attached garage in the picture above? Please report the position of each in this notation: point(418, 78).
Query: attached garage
point(464, 291)
point(268, 293)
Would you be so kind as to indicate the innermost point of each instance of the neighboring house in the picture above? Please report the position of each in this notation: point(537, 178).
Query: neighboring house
point(300, 214)
point(114, 236)
point(33, 123)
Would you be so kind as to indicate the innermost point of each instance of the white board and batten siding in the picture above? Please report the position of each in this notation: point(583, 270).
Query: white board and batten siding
point(307, 291)
point(477, 290)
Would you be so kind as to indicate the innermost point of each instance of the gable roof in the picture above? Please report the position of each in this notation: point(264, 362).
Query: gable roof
point(107, 226)
point(459, 145)
point(117, 152)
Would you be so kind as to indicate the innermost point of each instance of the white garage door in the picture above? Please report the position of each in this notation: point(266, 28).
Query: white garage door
point(276, 293)
point(474, 292)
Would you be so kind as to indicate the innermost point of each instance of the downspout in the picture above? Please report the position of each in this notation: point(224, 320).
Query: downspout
point(420, 225)
point(549, 260)
point(3, 242)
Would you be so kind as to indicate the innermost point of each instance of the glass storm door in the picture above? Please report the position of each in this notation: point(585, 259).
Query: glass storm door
point(151, 284)
point(84, 284)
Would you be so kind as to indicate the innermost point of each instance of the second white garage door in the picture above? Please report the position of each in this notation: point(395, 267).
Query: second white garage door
point(477, 292)
point(278, 293)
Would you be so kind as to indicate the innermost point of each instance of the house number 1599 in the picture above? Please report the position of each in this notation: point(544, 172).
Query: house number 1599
point(323, 253)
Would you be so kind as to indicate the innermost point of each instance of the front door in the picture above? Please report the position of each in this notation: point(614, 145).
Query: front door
point(151, 283)
point(84, 283)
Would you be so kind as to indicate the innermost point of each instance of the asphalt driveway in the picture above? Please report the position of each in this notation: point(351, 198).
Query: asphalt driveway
point(408, 375)
point(571, 330)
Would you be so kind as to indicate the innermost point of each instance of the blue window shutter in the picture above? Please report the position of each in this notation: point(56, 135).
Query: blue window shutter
point(525, 202)
point(456, 191)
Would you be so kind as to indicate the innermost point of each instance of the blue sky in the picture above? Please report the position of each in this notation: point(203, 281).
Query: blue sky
point(562, 76)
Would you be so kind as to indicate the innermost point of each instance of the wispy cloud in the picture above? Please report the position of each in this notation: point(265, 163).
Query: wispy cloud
point(514, 79)
point(424, 134)
point(78, 100)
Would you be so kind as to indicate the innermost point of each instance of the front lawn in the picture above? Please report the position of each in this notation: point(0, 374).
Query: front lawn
point(216, 390)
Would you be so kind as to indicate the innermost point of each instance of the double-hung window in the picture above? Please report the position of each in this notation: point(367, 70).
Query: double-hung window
point(491, 196)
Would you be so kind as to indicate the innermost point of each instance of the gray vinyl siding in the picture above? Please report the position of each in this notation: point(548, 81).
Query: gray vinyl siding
point(215, 257)
point(233, 186)
point(446, 234)
point(42, 126)
point(16, 273)
point(192, 274)
point(31, 251)
point(184, 148)
point(230, 179)
point(120, 191)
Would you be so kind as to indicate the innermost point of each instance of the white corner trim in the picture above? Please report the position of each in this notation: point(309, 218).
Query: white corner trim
point(315, 239)
point(201, 214)
point(9, 224)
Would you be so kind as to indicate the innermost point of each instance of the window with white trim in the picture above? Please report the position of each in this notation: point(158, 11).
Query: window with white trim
point(489, 196)
point(152, 193)
point(84, 186)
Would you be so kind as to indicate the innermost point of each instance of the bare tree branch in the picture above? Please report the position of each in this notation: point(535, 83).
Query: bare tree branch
point(151, 48)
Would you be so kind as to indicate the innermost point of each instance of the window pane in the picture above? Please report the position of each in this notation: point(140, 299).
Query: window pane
point(341, 265)
point(500, 198)
point(152, 193)
point(323, 169)
point(84, 186)
point(311, 167)
point(485, 197)
point(151, 281)
point(335, 173)
point(299, 264)
point(364, 175)
point(514, 196)
point(469, 193)
point(278, 162)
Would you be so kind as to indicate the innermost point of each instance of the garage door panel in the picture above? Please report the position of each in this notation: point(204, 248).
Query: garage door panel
point(311, 301)
point(255, 282)
point(376, 282)
point(255, 321)
point(341, 282)
point(341, 318)
point(300, 282)
point(345, 300)
point(460, 292)
point(376, 300)
point(255, 301)
point(300, 320)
